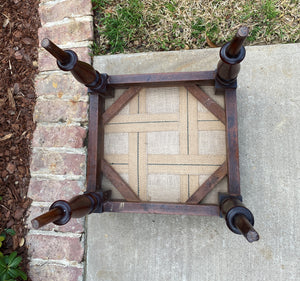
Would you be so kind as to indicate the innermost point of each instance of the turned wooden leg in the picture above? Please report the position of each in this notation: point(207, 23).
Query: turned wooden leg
point(60, 212)
point(238, 218)
point(231, 54)
point(83, 72)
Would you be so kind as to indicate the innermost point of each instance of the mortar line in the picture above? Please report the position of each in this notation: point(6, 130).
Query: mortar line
point(86, 18)
point(37, 261)
point(55, 233)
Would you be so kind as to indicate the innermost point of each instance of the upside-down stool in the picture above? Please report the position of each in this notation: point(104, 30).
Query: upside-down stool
point(101, 86)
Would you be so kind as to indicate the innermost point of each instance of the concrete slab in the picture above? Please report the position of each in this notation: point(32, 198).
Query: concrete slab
point(134, 247)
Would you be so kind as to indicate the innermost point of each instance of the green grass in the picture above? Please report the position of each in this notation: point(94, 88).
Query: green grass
point(269, 9)
point(158, 25)
point(121, 27)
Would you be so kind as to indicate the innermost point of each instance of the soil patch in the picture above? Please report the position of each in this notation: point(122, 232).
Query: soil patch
point(19, 22)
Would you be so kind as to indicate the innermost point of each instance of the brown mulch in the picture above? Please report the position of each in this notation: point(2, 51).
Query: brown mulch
point(19, 22)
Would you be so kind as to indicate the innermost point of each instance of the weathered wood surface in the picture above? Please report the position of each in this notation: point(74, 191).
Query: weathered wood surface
point(232, 143)
point(95, 143)
point(162, 208)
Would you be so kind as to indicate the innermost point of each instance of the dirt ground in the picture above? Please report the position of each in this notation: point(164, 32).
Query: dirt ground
point(19, 24)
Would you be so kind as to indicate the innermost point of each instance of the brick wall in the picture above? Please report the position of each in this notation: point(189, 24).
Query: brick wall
point(58, 161)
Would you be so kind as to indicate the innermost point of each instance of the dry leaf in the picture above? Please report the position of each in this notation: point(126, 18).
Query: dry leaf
point(5, 23)
point(21, 242)
point(11, 99)
point(6, 137)
point(17, 34)
point(16, 88)
point(27, 41)
point(210, 43)
point(2, 102)
point(18, 55)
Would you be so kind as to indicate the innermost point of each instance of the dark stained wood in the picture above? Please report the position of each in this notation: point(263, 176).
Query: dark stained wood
point(237, 42)
point(246, 228)
point(231, 55)
point(55, 51)
point(208, 102)
point(239, 218)
point(118, 182)
point(95, 143)
point(208, 185)
point(61, 211)
point(232, 144)
point(51, 216)
point(83, 72)
point(119, 104)
point(162, 208)
point(82, 205)
point(204, 78)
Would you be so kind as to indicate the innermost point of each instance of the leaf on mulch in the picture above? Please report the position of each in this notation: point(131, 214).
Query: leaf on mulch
point(5, 23)
point(6, 137)
point(19, 214)
point(18, 55)
point(2, 102)
point(11, 99)
point(11, 167)
point(27, 41)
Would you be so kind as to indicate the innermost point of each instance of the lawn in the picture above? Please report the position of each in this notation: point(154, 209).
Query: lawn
point(129, 26)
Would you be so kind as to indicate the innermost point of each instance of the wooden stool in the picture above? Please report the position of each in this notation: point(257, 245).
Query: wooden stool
point(101, 86)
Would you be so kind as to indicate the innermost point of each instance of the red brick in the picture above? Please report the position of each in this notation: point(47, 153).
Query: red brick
point(55, 247)
point(47, 62)
point(59, 136)
point(55, 163)
point(74, 31)
point(60, 85)
point(52, 190)
point(60, 111)
point(51, 272)
point(75, 225)
point(66, 9)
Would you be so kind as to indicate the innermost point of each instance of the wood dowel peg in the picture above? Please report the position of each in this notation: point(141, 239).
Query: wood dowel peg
point(62, 56)
point(246, 228)
point(234, 47)
point(51, 216)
